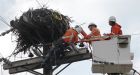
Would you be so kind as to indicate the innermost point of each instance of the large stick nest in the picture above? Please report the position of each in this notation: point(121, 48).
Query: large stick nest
point(39, 26)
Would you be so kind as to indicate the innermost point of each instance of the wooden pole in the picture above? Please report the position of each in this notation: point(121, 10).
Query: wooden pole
point(46, 71)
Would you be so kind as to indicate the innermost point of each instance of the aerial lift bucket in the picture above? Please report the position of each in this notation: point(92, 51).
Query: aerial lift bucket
point(112, 56)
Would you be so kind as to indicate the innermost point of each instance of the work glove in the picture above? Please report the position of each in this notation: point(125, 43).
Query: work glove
point(81, 44)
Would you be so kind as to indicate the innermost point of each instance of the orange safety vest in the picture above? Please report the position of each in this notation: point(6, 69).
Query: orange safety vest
point(71, 35)
point(116, 30)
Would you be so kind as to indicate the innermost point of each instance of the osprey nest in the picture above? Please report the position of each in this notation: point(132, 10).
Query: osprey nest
point(38, 27)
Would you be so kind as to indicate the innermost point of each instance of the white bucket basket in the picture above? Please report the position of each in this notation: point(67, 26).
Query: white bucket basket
point(112, 56)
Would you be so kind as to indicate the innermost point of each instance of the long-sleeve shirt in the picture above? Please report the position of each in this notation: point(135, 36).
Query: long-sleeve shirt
point(94, 32)
point(71, 35)
point(116, 30)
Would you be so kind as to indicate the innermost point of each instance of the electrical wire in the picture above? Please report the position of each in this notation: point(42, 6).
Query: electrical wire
point(46, 3)
point(135, 34)
point(63, 68)
point(39, 3)
point(135, 71)
point(11, 54)
point(4, 21)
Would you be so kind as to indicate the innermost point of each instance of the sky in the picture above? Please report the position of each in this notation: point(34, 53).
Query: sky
point(127, 13)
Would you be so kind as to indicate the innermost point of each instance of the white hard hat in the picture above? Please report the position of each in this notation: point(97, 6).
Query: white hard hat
point(78, 28)
point(112, 18)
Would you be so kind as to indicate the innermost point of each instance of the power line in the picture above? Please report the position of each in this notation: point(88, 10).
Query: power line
point(63, 68)
point(47, 2)
point(4, 21)
point(39, 3)
point(135, 34)
point(135, 71)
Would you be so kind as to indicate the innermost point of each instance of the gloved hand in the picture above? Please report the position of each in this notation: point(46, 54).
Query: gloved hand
point(105, 34)
point(81, 44)
point(87, 37)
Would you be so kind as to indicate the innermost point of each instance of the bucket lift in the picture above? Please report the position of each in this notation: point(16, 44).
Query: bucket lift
point(115, 53)
point(109, 56)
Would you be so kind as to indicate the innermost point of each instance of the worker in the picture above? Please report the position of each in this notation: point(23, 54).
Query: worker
point(71, 34)
point(94, 30)
point(115, 30)
point(70, 38)
point(115, 27)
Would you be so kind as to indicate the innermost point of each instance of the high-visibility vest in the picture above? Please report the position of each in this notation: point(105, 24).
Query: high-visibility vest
point(116, 29)
point(70, 35)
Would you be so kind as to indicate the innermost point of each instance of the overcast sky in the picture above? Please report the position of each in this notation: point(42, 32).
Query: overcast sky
point(127, 13)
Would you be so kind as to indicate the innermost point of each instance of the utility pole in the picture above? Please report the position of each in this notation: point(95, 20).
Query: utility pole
point(46, 71)
point(29, 65)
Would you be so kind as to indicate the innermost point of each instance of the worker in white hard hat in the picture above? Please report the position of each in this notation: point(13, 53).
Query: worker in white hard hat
point(115, 27)
point(115, 30)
